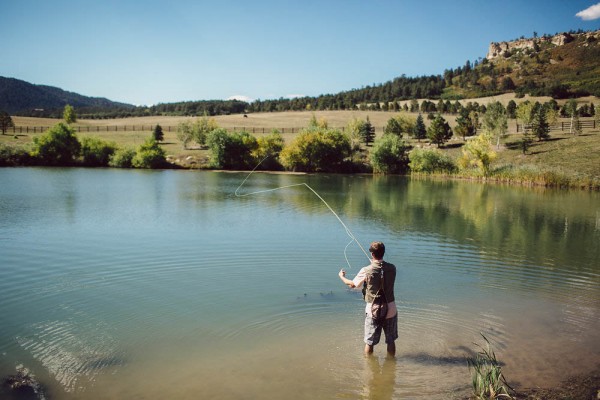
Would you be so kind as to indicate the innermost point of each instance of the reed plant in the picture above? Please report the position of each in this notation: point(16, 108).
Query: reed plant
point(534, 175)
point(488, 381)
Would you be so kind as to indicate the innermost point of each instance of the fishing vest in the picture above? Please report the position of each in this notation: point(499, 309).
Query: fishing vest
point(373, 280)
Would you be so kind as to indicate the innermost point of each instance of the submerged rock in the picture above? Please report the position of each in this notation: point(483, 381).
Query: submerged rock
point(23, 385)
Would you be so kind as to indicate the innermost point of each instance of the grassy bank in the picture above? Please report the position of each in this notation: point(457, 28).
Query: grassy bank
point(564, 160)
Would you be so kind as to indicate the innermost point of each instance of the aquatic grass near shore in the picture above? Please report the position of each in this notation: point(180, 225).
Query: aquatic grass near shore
point(488, 381)
point(539, 176)
point(527, 175)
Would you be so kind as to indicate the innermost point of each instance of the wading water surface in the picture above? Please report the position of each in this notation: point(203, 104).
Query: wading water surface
point(165, 284)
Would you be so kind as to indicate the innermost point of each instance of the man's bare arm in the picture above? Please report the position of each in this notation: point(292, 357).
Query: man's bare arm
point(346, 281)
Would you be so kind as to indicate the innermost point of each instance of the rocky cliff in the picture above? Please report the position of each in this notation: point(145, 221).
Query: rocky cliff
point(502, 48)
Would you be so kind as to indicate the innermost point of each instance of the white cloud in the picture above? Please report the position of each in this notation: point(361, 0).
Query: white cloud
point(241, 97)
point(589, 14)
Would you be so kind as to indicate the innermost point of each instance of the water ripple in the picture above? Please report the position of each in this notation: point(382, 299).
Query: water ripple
point(73, 351)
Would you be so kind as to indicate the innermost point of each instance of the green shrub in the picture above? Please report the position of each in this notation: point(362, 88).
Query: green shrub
point(122, 158)
point(96, 152)
point(430, 161)
point(202, 127)
point(149, 155)
point(14, 156)
point(400, 124)
point(478, 153)
point(317, 149)
point(268, 149)
point(231, 150)
point(185, 133)
point(389, 155)
point(58, 146)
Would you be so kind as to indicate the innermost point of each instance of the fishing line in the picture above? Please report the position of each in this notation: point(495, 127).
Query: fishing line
point(348, 231)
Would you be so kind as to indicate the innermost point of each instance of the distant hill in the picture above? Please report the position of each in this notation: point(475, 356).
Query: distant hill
point(18, 97)
point(22, 98)
point(561, 66)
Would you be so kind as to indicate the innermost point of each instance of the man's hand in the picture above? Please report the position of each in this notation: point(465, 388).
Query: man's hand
point(348, 282)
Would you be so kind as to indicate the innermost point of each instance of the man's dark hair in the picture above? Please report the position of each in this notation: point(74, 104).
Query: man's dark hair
point(378, 250)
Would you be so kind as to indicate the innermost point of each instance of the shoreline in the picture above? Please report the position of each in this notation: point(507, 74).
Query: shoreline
point(506, 181)
point(575, 387)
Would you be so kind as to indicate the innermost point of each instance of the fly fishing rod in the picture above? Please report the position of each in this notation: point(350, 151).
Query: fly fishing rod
point(348, 231)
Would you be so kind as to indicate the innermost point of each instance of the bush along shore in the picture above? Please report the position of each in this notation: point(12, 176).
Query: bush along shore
point(59, 146)
point(406, 147)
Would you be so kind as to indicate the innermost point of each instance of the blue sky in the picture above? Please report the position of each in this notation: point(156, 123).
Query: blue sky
point(148, 52)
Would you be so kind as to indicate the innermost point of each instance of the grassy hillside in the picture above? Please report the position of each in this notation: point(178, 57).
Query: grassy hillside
point(538, 68)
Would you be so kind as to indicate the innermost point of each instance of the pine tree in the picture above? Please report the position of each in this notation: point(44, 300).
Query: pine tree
point(6, 122)
point(464, 124)
point(393, 127)
point(511, 109)
point(420, 131)
point(540, 126)
point(367, 132)
point(439, 131)
point(157, 134)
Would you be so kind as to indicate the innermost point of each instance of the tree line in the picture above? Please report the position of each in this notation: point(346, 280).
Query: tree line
point(60, 146)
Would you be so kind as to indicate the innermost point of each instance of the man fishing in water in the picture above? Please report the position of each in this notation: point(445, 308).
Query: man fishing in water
point(370, 277)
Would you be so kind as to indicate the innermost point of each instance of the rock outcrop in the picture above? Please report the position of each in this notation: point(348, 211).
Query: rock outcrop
point(500, 49)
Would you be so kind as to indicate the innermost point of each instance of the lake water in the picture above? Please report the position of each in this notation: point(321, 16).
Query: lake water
point(122, 284)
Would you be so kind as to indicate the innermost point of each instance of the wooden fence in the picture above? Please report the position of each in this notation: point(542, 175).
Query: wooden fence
point(97, 128)
point(564, 126)
point(150, 128)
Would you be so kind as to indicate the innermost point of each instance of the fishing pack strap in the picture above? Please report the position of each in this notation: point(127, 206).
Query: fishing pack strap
point(382, 286)
point(379, 307)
